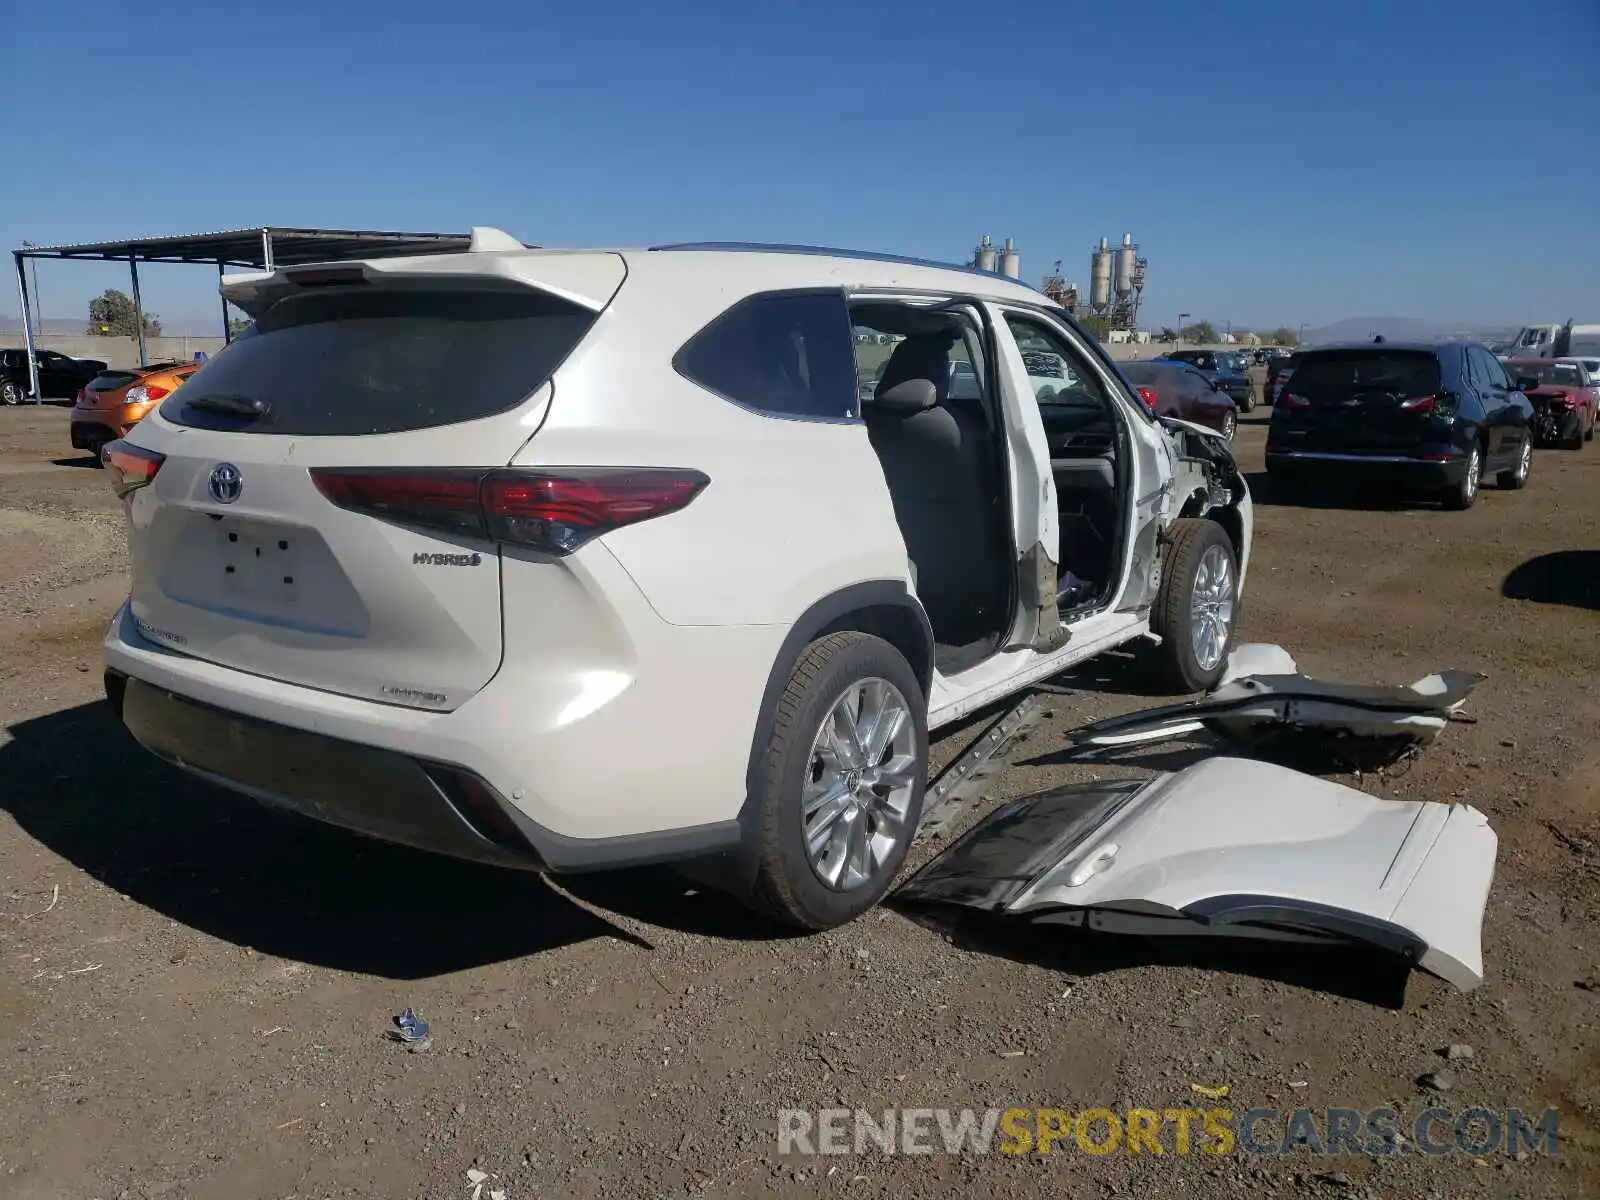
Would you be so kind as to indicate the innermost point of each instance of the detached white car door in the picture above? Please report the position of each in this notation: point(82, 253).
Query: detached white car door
point(1237, 847)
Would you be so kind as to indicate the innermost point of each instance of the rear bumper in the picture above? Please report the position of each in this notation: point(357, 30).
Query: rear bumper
point(87, 426)
point(1403, 469)
point(570, 781)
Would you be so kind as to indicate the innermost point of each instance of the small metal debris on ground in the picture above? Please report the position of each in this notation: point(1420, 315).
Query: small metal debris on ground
point(408, 1027)
point(411, 1030)
point(1012, 1053)
point(1210, 1093)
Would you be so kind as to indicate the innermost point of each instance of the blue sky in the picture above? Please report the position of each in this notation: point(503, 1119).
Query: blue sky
point(1277, 162)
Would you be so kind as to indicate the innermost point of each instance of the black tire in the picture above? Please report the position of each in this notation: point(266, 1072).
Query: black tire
point(1248, 404)
point(1465, 494)
point(1572, 432)
point(1230, 425)
point(1176, 665)
point(10, 393)
point(786, 885)
point(95, 444)
point(1517, 478)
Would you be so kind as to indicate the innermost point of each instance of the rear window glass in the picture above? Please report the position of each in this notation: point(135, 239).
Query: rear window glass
point(384, 361)
point(111, 380)
point(1147, 372)
point(1559, 374)
point(786, 353)
point(1338, 376)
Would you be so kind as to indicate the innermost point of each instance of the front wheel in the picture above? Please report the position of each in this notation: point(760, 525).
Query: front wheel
point(1517, 477)
point(1230, 425)
point(10, 393)
point(1197, 606)
point(1464, 495)
point(839, 783)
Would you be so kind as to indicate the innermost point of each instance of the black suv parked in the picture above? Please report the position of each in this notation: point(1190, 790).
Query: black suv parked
point(1437, 416)
point(60, 377)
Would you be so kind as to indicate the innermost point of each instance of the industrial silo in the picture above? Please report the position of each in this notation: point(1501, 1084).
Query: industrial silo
point(1123, 274)
point(1010, 262)
point(986, 257)
point(1100, 277)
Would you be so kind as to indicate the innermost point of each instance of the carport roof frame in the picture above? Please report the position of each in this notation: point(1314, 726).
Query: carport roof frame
point(259, 247)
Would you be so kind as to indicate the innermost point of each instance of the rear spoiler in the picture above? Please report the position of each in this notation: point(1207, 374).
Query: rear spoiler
point(588, 280)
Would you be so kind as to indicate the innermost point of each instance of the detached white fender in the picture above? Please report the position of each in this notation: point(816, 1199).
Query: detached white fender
point(1238, 847)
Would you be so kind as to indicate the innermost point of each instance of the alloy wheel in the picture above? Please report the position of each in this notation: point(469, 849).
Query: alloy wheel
point(859, 784)
point(1211, 607)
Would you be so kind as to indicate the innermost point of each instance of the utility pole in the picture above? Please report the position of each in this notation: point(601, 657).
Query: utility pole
point(1182, 317)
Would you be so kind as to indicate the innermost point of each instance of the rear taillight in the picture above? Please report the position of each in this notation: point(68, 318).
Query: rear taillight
point(131, 467)
point(1290, 400)
point(1417, 404)
point(1148, 395)
point(549, 511)
point(147, 393)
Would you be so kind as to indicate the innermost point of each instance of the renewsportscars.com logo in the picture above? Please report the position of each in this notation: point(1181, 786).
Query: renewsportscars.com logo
point(1260, 1131)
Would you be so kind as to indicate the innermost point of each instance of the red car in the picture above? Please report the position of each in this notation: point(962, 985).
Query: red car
point(1173, 389)
point(1563, 399)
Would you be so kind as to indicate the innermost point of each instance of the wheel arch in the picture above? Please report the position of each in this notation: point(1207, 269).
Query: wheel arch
point(881, 607)
point(884, 608)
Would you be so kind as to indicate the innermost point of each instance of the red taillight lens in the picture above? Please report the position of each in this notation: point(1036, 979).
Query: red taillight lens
point(1290, 400)
point(1148, 395)
point(131, 467)
point(154, 391)
point(1417, 404)
point(556, 513)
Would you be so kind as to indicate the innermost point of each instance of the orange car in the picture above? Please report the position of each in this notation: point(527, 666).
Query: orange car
point(115, 400)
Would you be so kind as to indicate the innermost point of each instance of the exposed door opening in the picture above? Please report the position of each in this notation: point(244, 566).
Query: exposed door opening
point(928, 402)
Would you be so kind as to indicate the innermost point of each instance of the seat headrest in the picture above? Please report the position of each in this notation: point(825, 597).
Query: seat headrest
point(907, 396)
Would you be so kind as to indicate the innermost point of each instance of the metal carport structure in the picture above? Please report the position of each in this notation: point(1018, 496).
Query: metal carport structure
point(261, 248)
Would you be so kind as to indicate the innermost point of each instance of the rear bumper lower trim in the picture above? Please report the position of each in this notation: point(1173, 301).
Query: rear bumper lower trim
point(374, 791)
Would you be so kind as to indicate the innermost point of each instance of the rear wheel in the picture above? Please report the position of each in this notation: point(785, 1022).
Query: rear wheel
point(1464, 495)
point(95, 444)
point(839, 783)
point(1196, 609)
point(1572, 432)
point(1517, 477)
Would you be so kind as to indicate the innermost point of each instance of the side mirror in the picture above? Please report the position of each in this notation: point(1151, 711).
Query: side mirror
point(1526, 383)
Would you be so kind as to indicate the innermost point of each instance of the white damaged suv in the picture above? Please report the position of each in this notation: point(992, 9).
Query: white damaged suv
point(579, 559)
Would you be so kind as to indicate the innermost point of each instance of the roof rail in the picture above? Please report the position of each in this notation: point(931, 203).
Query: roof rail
point(838, 252)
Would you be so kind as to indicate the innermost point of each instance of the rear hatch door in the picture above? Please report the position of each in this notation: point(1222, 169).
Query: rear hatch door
point(1237, 847)
point(241, 559)
point(1364, 400)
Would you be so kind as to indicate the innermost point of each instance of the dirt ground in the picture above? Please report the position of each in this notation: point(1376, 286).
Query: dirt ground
point(194, 992)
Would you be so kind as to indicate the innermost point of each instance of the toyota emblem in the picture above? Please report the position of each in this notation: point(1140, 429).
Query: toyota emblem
point(226, 483)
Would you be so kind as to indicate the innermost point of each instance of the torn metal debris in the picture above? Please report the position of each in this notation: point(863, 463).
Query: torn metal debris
point(1264, 704)
point(1236, 848)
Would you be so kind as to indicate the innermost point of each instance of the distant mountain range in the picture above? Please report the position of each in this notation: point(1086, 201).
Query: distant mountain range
point(1402, 329)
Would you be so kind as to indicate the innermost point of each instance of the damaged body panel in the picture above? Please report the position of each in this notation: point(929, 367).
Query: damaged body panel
point(1238, 848)
point(1265, 704)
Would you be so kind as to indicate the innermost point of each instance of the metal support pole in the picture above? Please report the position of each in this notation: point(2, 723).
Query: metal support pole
point(227, 338)
point(27, 326)
point(138, 309)
point(266, 249)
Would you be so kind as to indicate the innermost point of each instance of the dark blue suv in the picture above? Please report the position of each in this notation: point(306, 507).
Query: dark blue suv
point(1435, 416)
